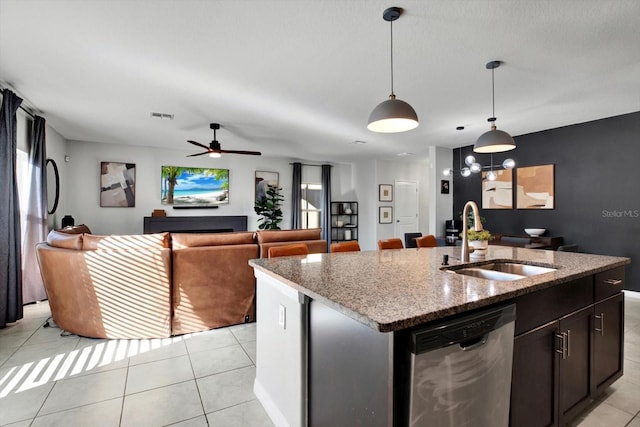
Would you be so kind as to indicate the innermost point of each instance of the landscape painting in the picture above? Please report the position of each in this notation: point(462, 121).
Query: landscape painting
point(498, 194)
point(186, 187)
point(535, 187)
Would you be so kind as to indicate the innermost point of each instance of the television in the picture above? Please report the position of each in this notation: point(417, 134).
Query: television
point(187, 187)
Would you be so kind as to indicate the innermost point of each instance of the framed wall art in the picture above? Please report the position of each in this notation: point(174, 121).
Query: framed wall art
point(385, 215)
point(385, 193)
point(185, 187)
point(498, 194)
point(444, 186)
point(264, 180)
point(117, 185)
point(535, 187)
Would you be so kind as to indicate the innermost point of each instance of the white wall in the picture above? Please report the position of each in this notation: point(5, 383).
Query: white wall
point(440, 205)
point(387, 172)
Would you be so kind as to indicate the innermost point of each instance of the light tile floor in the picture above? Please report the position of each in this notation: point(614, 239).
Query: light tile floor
point(203, 379)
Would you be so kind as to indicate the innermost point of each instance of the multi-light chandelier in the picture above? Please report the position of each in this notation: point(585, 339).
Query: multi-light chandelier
point(473, 167)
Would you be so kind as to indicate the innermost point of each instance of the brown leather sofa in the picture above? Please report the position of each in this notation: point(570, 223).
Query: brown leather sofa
point(213, 283)
point(156, 285)
point(310, 237)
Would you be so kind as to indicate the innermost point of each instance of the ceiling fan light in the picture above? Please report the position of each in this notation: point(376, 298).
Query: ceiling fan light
point(214, 155)
point(494, 141)
point(391, 116)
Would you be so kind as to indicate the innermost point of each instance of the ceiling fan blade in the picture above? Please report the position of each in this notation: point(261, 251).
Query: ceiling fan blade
point(199, 154)
point(198, 144)
point(253, 153)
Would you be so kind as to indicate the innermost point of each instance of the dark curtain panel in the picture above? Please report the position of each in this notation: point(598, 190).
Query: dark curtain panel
point(325, 219)
point(36, 227)
point(296, 197)
point(10, 260)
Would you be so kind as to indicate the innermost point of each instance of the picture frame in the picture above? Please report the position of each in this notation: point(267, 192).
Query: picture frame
point(385, 193)
point(117, 185)
point(263, 181)
point(188, 187)
point(385, 215)
point(444, 186)
point(498, 194)
point(535, 187)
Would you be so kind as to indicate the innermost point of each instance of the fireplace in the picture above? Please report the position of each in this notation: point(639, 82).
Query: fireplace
point(195, 224)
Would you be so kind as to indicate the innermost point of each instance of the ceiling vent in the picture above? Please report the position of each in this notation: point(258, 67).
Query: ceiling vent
point(161, 116)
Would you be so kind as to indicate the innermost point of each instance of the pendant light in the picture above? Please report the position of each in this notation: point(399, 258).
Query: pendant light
point(494, 141)
point(392, 115)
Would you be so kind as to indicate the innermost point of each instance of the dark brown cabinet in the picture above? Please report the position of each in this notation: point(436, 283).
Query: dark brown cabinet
point(564, 360)
point(608, 341)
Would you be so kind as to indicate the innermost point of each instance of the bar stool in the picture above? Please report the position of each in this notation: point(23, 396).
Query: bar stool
point(394, 243)
point(428, 241)
point(288, 250)
point(351, 246)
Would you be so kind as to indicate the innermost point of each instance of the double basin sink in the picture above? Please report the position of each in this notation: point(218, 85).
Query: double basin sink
point(501, 270)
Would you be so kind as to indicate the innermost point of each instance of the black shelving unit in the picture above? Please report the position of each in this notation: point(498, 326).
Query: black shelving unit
point(344, 221)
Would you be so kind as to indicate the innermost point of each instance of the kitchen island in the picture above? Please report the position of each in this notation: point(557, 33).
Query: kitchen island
point(331, 326)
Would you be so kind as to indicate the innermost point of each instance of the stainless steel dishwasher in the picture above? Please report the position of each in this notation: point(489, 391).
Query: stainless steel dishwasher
point(460, 373)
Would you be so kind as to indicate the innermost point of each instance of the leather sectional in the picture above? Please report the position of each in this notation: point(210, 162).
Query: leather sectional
point(156, 285)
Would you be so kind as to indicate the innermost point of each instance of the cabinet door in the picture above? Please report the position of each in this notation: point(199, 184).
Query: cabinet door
point(608, 341)
point(574, 385)
point(534, 379)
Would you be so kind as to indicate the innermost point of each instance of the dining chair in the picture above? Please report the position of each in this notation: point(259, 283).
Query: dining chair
point(394, 243)
point(428, 241)
point(410, 239)
point(288, 250)
point(350, 246)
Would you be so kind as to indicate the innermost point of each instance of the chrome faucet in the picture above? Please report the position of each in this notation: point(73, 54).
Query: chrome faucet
point(477, 226)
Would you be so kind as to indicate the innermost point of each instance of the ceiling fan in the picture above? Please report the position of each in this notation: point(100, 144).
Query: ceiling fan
point(214, 149)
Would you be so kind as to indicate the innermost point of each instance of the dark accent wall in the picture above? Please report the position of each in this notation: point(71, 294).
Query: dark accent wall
point(597, 187)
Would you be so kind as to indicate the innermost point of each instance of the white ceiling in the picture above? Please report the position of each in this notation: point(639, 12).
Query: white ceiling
point(299, 78)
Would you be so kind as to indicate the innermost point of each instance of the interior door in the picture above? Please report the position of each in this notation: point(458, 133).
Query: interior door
point(406, 207)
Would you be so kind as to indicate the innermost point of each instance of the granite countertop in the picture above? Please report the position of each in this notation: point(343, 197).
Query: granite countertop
point(392, 290)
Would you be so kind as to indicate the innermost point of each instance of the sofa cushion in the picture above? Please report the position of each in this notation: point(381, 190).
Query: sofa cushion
point(59, 239)
point(92, 242)
point(193, 240)
point(268, 236)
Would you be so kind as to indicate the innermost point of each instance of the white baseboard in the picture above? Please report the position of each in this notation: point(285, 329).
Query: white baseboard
point(269, 405)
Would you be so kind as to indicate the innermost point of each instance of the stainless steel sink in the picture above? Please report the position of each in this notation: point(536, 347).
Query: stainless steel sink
point(501, 270)
point(516, 268)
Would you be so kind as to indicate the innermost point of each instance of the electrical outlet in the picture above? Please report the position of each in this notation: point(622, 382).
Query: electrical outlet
point(282, 317)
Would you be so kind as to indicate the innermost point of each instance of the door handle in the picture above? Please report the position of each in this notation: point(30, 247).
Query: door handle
point(562, 336)
point(601, 319)
point(613, 281)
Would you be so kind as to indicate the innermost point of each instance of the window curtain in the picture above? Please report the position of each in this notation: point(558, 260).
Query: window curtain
point(296, 197)
point(325, 219)
point(36, 229)
point(10, 257)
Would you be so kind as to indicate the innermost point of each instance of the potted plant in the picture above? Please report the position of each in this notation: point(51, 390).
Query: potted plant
point(269, 208)
point(479, 241)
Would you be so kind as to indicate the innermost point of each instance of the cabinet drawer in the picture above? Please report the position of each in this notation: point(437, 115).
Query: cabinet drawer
point(609, 283)
point(538, 308)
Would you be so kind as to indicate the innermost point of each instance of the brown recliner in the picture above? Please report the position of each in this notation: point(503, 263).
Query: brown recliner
point(108, 286)
point(213, 283)
point(310, 237)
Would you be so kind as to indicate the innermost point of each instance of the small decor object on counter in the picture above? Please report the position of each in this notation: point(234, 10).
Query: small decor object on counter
point(479, 241)
point(159, 212)
point(68, 221)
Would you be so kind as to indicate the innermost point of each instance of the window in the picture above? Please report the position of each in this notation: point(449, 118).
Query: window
point(310, 205)
point(22, 179)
